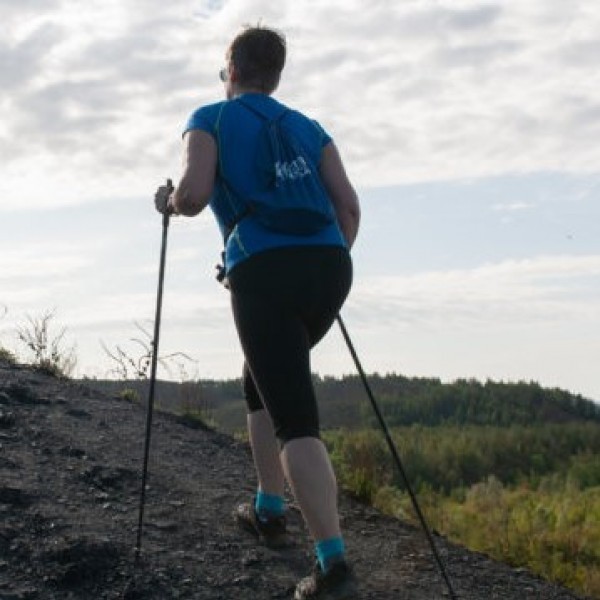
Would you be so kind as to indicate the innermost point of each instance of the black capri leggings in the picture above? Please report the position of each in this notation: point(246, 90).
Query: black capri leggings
point(284, 301)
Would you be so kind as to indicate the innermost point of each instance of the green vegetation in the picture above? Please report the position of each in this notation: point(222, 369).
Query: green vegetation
point(449, 457)
point(406, 401)
point(7, 356)
point(528, 496)
point(197, 419)
point(552, 530)
point(129, 395)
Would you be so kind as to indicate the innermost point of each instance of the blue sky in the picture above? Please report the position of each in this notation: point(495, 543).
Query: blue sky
point(469, 128)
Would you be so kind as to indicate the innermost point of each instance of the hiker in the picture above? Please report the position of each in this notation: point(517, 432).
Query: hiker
point(287, 281)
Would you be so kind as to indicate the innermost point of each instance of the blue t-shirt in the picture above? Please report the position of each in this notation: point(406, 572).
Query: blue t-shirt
point(236, 130)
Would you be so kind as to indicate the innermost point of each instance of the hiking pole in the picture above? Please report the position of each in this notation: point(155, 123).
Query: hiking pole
point(161, 276)
point(397, 460)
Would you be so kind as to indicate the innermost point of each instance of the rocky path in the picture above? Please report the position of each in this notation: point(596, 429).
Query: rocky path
point(70, 468)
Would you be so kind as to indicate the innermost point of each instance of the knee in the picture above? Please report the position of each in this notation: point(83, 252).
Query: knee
point(297, 419)
point(287, 433)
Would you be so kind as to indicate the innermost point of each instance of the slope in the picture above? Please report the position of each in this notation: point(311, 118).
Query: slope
point(70, 464)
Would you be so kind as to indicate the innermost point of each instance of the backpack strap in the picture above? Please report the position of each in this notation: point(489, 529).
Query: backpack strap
point(266, 117)
point(234, 199)
point(230, 191)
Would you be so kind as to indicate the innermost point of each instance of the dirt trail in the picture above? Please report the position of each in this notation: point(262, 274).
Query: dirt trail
point(70, 464)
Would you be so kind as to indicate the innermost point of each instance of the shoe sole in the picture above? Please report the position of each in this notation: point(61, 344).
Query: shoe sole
point(346, 593)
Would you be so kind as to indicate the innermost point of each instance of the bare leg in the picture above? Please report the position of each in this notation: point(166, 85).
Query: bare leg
point(265, 450)
point(310, 474)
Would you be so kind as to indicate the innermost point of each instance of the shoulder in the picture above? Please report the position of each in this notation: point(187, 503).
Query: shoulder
point(325, 137)
point(205, 118)
point(310, 126)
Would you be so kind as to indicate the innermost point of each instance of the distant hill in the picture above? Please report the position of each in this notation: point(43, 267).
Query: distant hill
point(404, 401)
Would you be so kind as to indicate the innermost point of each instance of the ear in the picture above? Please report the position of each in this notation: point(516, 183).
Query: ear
point(233, 75)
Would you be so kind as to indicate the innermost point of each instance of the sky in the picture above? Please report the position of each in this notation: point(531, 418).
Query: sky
point(469, 128)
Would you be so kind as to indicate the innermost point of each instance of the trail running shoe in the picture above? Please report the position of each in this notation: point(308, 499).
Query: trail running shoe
point(272, 531)
point(338, 583)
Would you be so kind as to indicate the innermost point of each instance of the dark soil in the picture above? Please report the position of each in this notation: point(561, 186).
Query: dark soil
point(70, 471)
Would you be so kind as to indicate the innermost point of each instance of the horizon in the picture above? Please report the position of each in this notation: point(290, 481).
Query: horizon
point(336, 378)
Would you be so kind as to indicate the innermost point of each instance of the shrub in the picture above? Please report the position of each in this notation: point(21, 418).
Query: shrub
point(47, 348)
point(7, 356)
point(129, 395)
point(130, 364)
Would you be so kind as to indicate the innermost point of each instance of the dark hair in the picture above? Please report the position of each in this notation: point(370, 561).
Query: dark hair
point(258, 54)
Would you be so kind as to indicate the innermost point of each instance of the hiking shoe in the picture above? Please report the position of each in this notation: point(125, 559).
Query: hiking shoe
point(272, 531)
point(338, 583)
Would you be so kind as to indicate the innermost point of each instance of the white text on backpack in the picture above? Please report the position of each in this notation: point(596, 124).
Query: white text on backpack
point(295, 169)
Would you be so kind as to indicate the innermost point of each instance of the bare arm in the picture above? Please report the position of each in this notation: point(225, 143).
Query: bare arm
point(341, 192)
point(199, 166)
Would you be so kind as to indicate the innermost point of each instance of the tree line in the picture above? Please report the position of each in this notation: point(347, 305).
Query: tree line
point(403, 401)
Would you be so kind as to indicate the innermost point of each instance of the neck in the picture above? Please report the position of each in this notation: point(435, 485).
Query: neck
point(238, 91)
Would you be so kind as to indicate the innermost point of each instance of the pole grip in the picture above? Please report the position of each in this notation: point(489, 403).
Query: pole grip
point(167, 214)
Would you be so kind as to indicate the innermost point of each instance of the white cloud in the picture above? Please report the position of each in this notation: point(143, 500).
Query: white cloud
point(412, 91)
point(508, 294)
point(40, 261)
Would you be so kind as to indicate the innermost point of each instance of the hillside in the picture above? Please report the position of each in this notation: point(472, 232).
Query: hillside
point(403, 401)
point(70, 462)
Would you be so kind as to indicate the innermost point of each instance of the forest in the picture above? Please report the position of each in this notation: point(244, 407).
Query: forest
point(508, 469)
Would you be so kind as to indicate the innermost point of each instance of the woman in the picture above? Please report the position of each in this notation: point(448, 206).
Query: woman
point(286, 290)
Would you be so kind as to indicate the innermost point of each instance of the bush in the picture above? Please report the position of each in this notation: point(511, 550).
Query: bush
point(7, 356)
point(362, 461)
point(137, 363)
point(47, 348)
point(129, 395)
point(529, 497)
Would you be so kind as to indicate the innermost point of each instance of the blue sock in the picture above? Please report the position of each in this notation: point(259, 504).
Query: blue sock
point(267, 505)
point(329, 551)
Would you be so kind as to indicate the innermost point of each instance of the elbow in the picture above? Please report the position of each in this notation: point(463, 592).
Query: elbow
point(348, 215)
point(351, 210)
point(354, 214)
